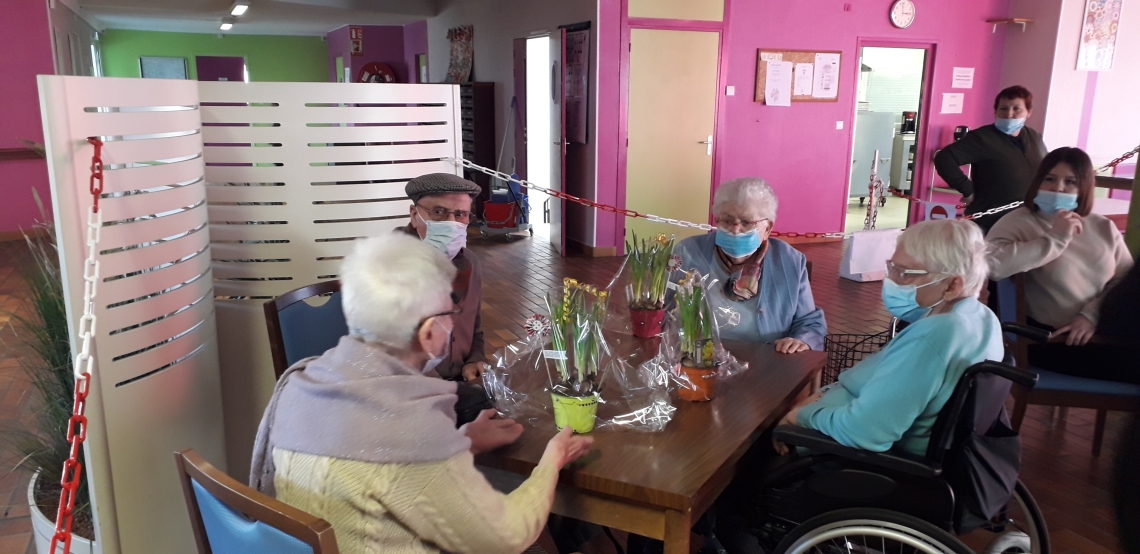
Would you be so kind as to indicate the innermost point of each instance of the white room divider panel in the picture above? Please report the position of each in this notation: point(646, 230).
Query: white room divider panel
point(295, 172)
point(156, 387)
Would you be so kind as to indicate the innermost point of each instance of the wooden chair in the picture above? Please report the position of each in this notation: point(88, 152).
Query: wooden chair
point(1058, 389)
point(298, 330)
point(229, 517)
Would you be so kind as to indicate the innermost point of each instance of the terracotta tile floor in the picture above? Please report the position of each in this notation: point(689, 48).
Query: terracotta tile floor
point(1073, 487)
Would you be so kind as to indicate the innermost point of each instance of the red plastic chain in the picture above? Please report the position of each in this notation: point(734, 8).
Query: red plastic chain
point(96, 170)
point(77, 425)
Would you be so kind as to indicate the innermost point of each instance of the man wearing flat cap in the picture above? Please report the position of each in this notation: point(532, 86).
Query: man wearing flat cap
point(440, 212)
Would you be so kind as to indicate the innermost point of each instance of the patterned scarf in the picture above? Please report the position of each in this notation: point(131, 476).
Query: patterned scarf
point(743, 278)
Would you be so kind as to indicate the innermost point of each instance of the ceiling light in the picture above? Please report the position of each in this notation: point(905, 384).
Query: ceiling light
point(227, 26)
point(239, 8)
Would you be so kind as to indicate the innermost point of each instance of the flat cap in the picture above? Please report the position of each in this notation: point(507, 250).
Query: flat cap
point(439, 183)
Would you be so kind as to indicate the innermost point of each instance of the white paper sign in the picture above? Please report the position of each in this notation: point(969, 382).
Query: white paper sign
point(865, 258)
point(771, 57)
point(952, 102)
point(963, 77)
point(803, 79)
point(825, 82)
point(936, 210)
point(778, 87)
point(554, 354)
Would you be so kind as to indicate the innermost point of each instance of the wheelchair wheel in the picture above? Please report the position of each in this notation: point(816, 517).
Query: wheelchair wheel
point(869, 531)
point(1021, 529)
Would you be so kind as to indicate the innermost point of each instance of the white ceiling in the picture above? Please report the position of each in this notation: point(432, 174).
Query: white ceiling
point(265, 17)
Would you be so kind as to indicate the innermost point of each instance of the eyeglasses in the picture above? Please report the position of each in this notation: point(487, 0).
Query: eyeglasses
point(897, 273)
point(456, 311)
point(439, 213)
point(743, 224)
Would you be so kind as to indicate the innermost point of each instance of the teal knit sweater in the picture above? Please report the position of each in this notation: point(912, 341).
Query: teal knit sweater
point(895, 395)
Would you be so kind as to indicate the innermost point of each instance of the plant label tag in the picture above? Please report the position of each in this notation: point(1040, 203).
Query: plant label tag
point(671, 285)
point(554, 354)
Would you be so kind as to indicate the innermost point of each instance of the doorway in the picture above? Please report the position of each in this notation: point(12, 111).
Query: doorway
point(888, 107)
point(538, 132)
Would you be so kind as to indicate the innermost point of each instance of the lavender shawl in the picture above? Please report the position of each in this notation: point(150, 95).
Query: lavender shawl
point(357, 402)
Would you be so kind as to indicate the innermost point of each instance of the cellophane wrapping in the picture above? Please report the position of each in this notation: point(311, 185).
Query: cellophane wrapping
point(633, 375)
point(698, 329)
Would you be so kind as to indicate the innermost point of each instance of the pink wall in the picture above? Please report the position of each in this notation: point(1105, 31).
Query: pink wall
point(25, 39)
point(798, 149)
point(387, 44)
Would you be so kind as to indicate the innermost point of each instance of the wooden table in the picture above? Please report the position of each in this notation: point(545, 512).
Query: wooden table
point(658, 484)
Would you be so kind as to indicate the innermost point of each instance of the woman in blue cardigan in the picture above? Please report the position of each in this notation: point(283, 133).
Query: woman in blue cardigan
point(762, 279)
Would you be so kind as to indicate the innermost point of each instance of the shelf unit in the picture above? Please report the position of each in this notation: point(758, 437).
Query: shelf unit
point(477, 115)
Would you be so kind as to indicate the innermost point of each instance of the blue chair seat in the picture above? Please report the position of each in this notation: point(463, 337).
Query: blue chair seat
point(1053, 381)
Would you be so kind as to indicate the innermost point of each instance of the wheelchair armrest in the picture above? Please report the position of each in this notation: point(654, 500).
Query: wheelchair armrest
point(1031, 333)
point(820, 443)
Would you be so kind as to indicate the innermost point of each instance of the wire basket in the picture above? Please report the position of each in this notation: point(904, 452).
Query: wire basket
point(844, 351)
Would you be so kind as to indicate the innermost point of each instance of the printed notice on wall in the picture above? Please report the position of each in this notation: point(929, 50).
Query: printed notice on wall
point(778, 89)
point(963, 77)
point(952, 102)
point(771, 57)
point(803, 79)
point(825, 82)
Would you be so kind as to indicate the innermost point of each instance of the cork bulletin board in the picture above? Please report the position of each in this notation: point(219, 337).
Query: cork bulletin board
point(825, 76)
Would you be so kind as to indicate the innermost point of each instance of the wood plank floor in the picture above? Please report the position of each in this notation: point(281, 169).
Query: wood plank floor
point(1073, 487)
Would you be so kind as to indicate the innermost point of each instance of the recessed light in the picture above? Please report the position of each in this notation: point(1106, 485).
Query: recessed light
point(238, 9)
point(227, 26)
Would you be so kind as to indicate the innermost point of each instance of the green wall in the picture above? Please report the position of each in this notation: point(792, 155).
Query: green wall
point(268, 58)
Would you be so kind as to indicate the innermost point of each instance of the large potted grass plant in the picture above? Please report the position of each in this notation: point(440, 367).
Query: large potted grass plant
point(649, 265)
point(578, 354)
point(698, 369)
point(39, 340)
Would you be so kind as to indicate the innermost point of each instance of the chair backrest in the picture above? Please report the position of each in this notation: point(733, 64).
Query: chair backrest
point(228, 516)
point(1010, 307)
point(298, 330)
point(977, 402)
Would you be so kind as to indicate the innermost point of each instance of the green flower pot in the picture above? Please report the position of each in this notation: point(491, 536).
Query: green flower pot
point(577, 412)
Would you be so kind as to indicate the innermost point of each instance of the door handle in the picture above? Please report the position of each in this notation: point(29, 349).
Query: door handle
point(708, 143)
point(546, 211)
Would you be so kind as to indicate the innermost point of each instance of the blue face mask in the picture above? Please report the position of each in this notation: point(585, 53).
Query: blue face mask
point(738, 246)
point(1050, 202)
point(902, 302)
point(1009, 126)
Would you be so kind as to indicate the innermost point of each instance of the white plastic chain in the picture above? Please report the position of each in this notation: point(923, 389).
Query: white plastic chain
point(84, 362)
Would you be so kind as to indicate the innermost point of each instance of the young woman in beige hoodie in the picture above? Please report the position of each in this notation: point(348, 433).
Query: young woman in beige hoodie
point(1070, 257)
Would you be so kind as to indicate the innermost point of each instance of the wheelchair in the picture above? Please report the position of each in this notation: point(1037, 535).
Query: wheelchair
point(845, 500)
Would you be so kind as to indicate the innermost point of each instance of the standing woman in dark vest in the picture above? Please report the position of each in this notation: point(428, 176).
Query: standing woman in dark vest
point(1004, 157)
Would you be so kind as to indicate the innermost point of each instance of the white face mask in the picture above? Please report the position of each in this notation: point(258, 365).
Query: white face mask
point(448, 236)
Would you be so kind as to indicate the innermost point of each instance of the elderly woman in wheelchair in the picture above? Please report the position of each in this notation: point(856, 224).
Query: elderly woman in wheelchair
point(911, 446)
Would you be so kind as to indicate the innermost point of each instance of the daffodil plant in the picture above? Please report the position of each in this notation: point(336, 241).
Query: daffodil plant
point(576, 335)
point(649, 264)
point(696, 321)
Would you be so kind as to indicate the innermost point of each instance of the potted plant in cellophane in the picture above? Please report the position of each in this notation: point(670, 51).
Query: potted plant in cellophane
point(650, 263)
point(578, 352)
point(699, 365)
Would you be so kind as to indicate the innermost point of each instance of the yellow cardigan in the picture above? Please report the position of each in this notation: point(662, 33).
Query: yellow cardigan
point(415, 508)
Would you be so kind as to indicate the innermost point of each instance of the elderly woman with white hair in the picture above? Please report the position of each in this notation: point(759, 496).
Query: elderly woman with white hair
point(763, 279)
point(362, 438)
point(894, 397)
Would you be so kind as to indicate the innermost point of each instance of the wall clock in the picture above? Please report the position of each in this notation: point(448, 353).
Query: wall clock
point(902, 13)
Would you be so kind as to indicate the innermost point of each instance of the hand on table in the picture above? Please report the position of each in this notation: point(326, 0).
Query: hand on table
point(488, 432)
point(565, 447)
point(791, 346)
point(474, 371)
point(1080, 330)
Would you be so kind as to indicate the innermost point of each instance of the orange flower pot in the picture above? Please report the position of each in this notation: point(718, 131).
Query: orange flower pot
point(699, 385)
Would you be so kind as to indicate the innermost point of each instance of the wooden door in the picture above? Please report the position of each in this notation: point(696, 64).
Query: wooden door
point(558, 138)
point(672, 108)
